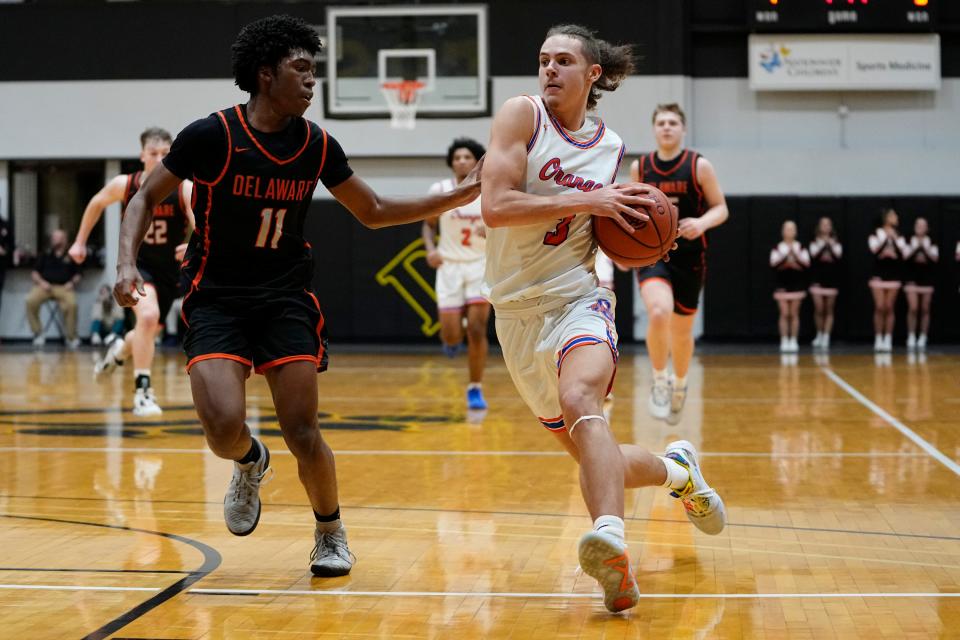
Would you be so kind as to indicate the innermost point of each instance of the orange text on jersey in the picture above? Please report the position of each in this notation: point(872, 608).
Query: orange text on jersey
point(270, 188)
point(163, 211)
point(671, 186)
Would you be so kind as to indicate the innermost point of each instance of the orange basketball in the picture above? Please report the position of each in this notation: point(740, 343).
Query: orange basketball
point(649, 241)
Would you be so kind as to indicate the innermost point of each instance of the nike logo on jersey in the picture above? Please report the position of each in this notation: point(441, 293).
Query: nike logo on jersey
point(240, 149)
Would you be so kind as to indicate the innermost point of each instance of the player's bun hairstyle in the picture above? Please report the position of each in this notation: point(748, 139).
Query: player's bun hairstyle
point(469, 144)
point(616, 61)
point(154, 133)
point(671, 107)
point(265, 43)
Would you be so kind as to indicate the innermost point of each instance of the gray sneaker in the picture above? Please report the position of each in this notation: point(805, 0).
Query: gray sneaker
point(659, 404)
point(241, 505)
point(331, 556)
point(705, 508)
point(110, 359)
point(678, 398)
point(604, 558)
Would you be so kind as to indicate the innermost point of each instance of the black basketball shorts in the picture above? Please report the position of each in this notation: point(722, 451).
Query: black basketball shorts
point(261, 331)
point(685, 274)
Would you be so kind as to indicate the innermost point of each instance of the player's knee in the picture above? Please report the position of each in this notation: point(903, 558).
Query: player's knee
point(659, 314)
point(302, 438)
point(578, 399)
point(149, 317)
point(476, 332)
point(221, 424)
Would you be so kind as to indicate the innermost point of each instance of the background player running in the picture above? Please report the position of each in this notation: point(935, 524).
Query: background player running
point(671, 289)
point(158, 261)
point(459, 261)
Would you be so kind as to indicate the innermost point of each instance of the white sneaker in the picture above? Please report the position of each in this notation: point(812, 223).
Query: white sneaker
point(110, 360)
point(784, 344)
point(922, 341)
point(241, 505)
point(888, 343)
point(95, 339)
point(705, 508)
point(73, 344)
point(39, 341)
point(911, 341)
point(145, 403)
point(825, 342)
point(604, 558)
point(818, 341)
point(878, 343)
point(659, 403)
point(331, 556)
point(678, 398)
point(794, 345)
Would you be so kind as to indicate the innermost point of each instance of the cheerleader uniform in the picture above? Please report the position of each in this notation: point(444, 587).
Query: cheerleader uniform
point(888, 260)
point(920, 256)
point(825, 266)
point(790, 275)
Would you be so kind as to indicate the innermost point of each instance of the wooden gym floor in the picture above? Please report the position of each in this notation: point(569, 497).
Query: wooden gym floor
point(840, 480)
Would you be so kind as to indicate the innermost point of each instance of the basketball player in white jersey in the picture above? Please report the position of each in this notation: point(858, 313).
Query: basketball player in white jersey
point(459, 261)
point(548, 168)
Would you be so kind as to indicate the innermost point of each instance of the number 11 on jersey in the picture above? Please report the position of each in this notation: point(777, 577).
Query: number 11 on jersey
point(266, 221)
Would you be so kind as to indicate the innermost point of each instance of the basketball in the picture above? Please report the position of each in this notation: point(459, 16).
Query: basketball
point(650, 240)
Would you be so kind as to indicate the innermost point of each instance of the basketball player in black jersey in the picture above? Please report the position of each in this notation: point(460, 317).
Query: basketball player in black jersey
point(671, 289)
point(158, 261)
point(250, 304)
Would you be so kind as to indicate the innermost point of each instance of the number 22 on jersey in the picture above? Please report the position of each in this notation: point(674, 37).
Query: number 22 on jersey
point(267, 218)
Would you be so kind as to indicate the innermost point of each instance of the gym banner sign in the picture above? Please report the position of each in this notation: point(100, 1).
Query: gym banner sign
point(844, 62)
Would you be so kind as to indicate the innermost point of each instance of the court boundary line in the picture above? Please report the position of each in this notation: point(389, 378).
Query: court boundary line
point(343, 593)
point(474, 453)
point(910, 434)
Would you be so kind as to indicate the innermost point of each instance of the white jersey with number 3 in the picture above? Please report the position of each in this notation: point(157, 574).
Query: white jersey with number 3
point(556, 258)
point(462, 232)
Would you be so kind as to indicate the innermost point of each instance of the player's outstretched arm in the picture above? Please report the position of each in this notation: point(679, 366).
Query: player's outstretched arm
point(136, 221)
point(111, 192)
point(376, 211)
point(506, 204)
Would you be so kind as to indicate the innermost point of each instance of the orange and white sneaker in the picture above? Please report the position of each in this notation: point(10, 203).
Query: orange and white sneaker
point(705, 508)
point(603, 556)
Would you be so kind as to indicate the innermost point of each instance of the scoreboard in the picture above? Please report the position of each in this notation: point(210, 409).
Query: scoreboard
point(844, 16)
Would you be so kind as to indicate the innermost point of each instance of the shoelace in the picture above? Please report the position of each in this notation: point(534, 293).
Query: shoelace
point(334, 544)
point(250, 482)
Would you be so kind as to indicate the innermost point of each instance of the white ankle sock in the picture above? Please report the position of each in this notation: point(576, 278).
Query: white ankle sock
point(474, 385)
point(659, 375)
point(677, 475)
point(679, 382)
point(609, 524)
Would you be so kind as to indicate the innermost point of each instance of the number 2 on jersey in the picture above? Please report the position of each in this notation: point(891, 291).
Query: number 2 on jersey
point(558, 235)
point(266, 221)
point(466, 237)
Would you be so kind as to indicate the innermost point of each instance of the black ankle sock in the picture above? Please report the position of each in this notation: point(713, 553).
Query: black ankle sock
point(253, 455)
point(142, 382)
point(330, 518)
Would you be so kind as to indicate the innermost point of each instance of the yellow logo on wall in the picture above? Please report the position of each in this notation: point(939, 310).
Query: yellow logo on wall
point(403, 276)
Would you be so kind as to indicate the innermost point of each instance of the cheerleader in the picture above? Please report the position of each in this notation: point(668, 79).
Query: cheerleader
point(920, 256)
point(789, 259)
point(885, 282)
point(825, 254)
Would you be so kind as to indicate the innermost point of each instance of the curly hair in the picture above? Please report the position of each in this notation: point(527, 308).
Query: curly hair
point(469, 144)
point(266, 42)
point(616, 61)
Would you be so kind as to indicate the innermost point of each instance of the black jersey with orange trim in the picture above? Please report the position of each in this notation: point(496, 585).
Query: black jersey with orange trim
point(677, 178)
point(252, 191)
point(167, 230)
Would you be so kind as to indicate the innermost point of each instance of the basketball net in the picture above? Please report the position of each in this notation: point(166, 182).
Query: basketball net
point(402, 99)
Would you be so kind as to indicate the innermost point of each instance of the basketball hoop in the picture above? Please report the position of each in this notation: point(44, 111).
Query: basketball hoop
point(402, 98)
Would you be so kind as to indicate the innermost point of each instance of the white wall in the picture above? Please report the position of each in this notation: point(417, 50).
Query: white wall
point(760, 142)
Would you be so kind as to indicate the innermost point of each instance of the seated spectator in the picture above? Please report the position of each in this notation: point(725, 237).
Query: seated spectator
point(55, 275)
point(105, 314)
